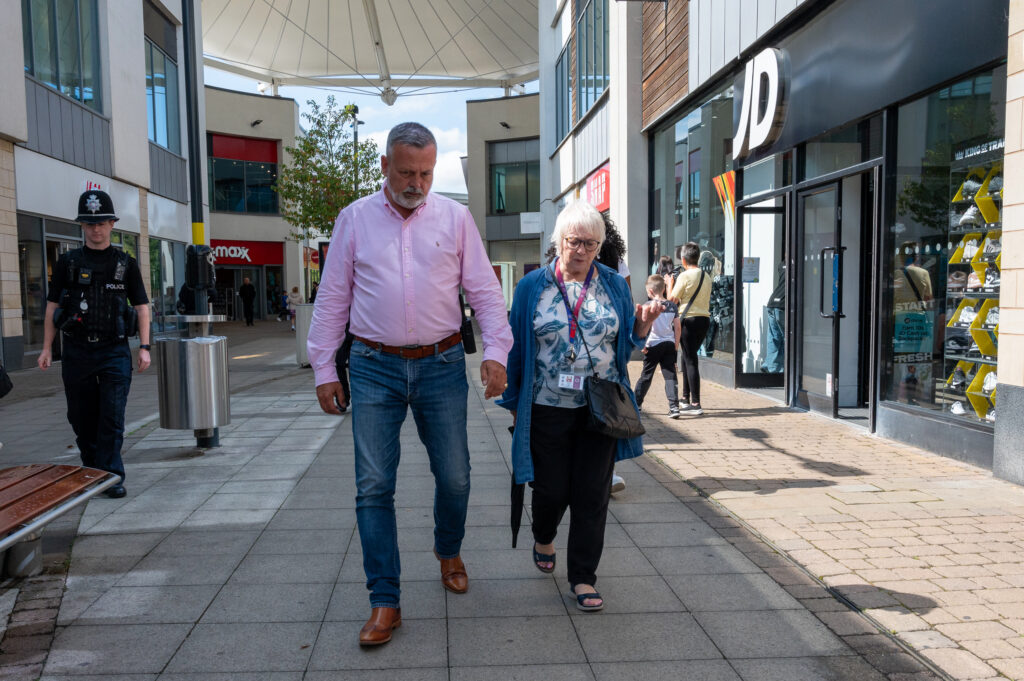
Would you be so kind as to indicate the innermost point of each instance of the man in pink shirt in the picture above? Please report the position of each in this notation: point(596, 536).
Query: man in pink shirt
point(396, 262)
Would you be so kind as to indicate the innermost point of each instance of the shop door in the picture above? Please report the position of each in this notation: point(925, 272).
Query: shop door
point(834, 226)
point(821, 259)
point(762, 339)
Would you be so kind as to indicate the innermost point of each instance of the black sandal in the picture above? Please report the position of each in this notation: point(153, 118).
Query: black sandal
point(593, 596)
point(539, 558)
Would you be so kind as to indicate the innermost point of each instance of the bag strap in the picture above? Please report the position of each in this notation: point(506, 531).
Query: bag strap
point(906, 275)
point(583, 336)
point(694, 296)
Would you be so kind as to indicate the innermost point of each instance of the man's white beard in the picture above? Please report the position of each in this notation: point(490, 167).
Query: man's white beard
point(409, 202)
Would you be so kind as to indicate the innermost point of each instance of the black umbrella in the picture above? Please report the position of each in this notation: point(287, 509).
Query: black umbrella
point(518, 494)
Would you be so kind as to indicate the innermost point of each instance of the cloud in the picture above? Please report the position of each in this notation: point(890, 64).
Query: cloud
point(448, 175)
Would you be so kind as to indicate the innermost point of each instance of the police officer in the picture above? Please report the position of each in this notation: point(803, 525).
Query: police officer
point(97, 300)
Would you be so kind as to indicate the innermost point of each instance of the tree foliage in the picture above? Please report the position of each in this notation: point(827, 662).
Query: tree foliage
point(318, 179)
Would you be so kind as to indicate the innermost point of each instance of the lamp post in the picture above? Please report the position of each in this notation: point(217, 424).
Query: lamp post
point(352, 111)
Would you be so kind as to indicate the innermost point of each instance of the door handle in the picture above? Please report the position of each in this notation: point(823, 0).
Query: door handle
point(821, 285)
point(838, 260)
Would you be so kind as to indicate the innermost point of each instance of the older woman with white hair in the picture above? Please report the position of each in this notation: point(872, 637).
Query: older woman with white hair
point(571, 319)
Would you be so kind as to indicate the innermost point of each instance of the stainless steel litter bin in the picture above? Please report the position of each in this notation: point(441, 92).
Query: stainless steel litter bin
point(192, 379)
point(303, 320)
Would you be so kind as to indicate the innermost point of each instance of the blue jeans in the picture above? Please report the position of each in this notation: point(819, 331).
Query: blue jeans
point(774, 355)
point(383, 388)
point(97, 378)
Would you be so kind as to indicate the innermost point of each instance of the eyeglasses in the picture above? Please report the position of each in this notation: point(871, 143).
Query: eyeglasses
point(590, 245)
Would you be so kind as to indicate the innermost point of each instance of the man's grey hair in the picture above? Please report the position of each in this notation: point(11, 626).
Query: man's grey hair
point(412, 134)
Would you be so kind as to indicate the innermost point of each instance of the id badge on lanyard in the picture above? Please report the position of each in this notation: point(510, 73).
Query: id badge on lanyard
point(574, 366)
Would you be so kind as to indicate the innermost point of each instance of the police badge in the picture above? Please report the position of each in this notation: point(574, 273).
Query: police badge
point(92, 204)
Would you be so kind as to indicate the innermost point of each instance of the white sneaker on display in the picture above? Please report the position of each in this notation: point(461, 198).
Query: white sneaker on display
point(958, 409)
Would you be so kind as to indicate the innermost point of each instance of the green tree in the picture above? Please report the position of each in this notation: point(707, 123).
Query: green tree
point(318, 180)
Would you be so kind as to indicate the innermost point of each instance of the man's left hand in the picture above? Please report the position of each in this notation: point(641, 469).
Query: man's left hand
point(143, 359)
point(492, 375)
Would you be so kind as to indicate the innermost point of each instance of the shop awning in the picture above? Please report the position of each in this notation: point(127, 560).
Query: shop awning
point(385, 45)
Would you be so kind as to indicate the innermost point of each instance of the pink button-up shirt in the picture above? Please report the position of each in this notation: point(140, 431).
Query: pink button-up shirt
point(396, 281)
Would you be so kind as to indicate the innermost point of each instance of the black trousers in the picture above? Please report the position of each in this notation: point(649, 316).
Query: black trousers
point(572, 468)
point(661, 355)
point(694, 330)
point(247, 309)
point(97, 378)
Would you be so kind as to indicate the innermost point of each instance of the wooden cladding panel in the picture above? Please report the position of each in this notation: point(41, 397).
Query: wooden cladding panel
point(666, 55)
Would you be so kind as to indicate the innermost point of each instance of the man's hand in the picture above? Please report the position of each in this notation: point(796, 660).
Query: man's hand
point(45, 359)
point(144, 360)
point(327, 393)
point(492, 375)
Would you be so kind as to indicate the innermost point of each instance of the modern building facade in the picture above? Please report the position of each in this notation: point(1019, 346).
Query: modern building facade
point(591, 144)
point(503, 182)
point(246, 138)
point(867, 173)
point(93, 97)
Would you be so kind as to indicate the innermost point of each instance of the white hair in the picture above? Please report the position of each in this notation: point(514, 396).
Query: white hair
point(578, 214)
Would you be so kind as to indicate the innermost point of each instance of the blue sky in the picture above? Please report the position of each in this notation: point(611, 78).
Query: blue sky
point(443, 112)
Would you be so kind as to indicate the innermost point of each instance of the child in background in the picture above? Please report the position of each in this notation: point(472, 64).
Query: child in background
point(661, 348)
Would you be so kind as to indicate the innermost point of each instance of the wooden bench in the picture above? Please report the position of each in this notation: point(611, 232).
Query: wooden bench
point(34, 495)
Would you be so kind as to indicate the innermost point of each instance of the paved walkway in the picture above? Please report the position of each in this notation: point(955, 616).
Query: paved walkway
point(244, 562)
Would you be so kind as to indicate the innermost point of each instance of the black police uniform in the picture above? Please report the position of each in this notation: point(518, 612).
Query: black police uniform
point(96, 292)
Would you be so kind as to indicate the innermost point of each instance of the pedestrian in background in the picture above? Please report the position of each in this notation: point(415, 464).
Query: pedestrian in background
point(694, 286)
point(397, 260)
point(570, 319)
point(661, 348)
point(97, 301)
point(247, 292)
point(294, 298)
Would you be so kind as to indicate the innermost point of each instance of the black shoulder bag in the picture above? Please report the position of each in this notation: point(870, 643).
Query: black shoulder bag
point(610, 411)
point(5, 382)
point(466, 329)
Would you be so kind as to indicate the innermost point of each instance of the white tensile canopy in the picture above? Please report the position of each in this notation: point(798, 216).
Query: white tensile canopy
point(382, 45)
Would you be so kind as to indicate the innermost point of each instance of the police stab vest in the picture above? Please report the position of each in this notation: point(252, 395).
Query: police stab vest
point(94, 307)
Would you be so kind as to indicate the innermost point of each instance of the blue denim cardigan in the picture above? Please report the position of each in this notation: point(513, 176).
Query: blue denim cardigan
point(523, 357)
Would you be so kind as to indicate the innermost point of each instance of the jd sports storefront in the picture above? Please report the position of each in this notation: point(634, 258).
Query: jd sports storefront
point(845, 187)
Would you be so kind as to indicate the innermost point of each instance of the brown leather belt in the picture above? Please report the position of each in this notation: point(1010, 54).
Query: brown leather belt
point(414, 351)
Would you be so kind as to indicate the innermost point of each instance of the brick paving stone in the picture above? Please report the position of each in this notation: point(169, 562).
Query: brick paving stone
point(959, 663)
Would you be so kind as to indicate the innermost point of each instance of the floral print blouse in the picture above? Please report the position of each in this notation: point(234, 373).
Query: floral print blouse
point(598, 322)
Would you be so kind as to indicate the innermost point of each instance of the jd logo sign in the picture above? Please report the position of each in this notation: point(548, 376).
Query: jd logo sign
point(762, 111)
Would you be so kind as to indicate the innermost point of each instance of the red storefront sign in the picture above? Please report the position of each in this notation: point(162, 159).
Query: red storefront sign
point(598, 193)
point(231, 252)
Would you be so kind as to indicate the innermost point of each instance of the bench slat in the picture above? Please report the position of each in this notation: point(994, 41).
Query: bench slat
point(27, 487)
point(12, 476)
point(48, 497)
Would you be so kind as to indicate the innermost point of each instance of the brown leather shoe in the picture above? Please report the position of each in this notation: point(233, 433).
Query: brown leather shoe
point(377, 629)
point(453, 574)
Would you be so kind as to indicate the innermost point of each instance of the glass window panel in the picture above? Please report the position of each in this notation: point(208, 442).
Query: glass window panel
point(26, 33)
point(155, 281)
point(68, 68)
point(32, 275)
point(533, 186)
point(44, 48)
point(159, 98)
point(150, 111)
point(691, 158)
point(173, 117)
point(228, 185)
point(92, 93)
point(259, 186)
point(937, 345)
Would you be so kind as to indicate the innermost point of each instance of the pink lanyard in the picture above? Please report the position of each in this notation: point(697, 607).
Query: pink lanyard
point(573, 313)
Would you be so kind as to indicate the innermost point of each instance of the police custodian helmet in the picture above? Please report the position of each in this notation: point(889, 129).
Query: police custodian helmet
point(95, 206)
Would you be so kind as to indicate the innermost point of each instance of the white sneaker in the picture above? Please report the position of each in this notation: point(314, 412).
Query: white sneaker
point(958, 409)
point(618, 484)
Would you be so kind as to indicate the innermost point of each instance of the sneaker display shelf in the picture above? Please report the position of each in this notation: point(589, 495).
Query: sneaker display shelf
point(976, 251)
